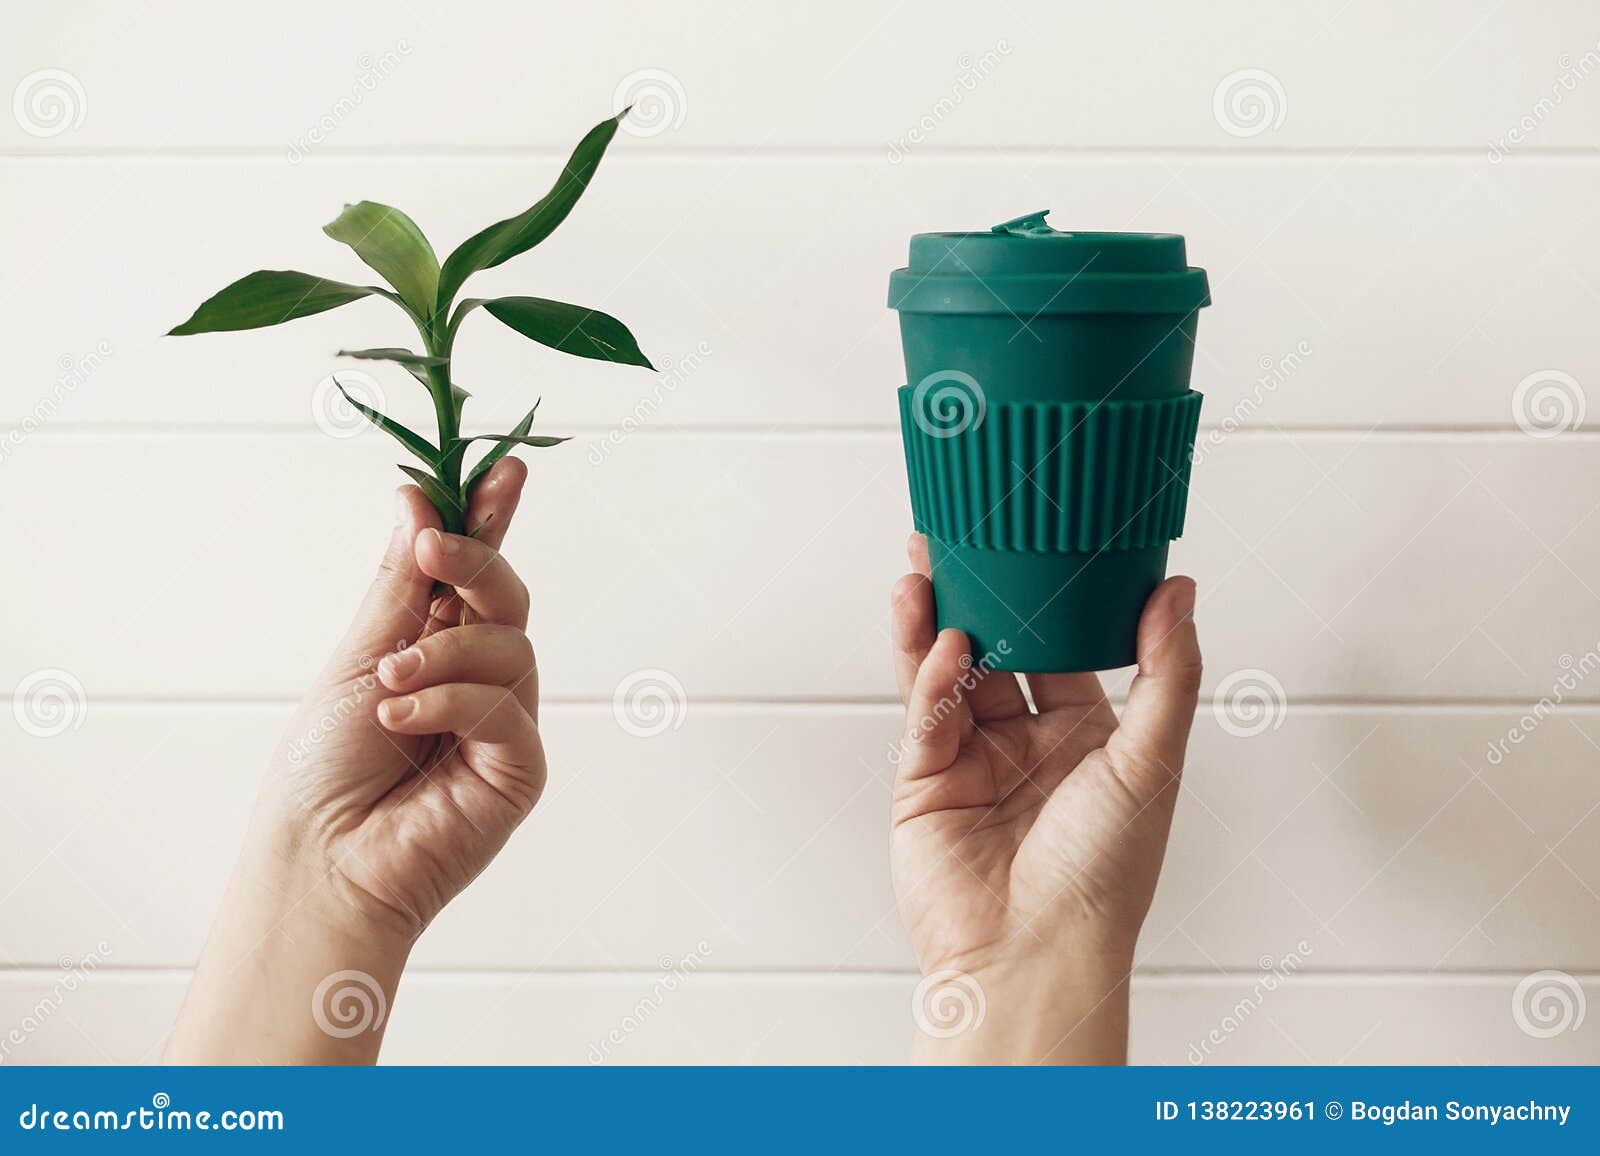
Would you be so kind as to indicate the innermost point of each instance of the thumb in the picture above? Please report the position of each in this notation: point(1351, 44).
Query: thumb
point(1153, 735)
point(395, 608)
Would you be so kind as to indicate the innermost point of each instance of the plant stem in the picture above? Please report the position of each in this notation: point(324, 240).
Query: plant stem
point(444, 408)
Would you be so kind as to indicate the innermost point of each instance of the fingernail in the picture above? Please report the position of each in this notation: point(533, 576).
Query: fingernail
point(402, 509)
point(399, 709)
point(402, 665)
point(448, 544)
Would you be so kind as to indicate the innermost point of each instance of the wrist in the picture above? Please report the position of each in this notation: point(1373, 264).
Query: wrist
point(287, 867)
point(1039, 1010)
point(296, 969)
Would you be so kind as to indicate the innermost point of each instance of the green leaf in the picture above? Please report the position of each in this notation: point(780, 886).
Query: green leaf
point(499, 451)
point(412, 363)
point(449, 506)
point(505, 239)
point(392, 246)
point(513, 439)
point(569, 328)
point(269, 297)
point(414, 442)
point(398, 356)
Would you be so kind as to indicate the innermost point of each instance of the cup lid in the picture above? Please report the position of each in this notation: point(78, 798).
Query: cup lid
point(1025, 267)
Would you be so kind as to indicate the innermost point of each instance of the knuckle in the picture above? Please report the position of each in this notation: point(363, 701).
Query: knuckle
point(905, 587)
point(1139, 771)
point(503, 709)
point(475, 560)
point(508, 644)
point(1187, 674)
point(489, 559)
point(519, 588)
point(395, 565)
point(447, 645)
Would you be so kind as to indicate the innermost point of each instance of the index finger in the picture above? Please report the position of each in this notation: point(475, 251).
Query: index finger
point(494, 500)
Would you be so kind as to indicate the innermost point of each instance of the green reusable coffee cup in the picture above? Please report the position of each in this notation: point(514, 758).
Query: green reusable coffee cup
point(1048, 424)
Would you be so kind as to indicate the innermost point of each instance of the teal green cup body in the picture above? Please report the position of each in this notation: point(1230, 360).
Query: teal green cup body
point(1048, 424)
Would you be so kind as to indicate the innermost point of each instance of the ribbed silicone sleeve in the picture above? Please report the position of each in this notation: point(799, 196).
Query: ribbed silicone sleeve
point(1066, 477)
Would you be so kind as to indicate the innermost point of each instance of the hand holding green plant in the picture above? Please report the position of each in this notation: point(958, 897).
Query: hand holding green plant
point(391, 244)
point(413, 758)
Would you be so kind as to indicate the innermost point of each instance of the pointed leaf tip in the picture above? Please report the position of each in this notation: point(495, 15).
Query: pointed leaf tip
point(268, 297)
point(570, 328)
point(539, 441)
point(505, 239)
point(396, 355)
point(498, 450)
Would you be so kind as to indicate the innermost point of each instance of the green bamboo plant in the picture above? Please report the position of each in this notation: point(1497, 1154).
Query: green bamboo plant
point(390, 243)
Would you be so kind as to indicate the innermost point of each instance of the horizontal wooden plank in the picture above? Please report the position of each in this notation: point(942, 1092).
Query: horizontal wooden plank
point(1349, 292)
point(758, 567)
point(1381, 838)
point(1031, 73)
point(702, 1018)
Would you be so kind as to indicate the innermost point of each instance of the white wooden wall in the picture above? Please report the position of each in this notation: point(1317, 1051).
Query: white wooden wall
point(1417, 239)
